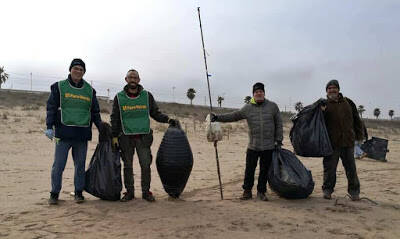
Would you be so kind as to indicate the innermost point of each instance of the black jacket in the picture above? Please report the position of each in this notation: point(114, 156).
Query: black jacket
point(53, 117)
point(343, 122)
point(155, 113)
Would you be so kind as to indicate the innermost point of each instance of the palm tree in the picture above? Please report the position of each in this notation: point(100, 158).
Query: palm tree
point(3, 76)
point(220, 99)
point(377, 112)
point(191, 93)
point(391, 113)
point(298, 106)
point(361, 110)
point(247, 99)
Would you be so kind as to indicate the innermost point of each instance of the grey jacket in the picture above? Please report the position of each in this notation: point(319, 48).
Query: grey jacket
point(264, 121)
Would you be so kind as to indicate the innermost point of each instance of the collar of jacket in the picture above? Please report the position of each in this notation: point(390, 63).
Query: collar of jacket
point(254, 102)
point(79, 85)
point(340, 98)
point(140, 88)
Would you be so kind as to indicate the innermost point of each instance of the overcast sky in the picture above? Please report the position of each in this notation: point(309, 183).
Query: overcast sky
point(293, 47)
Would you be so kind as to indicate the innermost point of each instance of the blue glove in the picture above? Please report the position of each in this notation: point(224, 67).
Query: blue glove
point(49, 133)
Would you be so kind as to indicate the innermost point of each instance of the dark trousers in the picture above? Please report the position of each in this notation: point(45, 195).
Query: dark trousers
point(142, 145)
point(251, 164)
point(349, 164)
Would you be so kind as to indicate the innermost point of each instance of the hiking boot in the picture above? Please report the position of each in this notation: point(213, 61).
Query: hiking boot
point(261, 196)
point(327, 195)
point(148, 196)
point(128, 195)
point(355, 197)
point(53, 200)
point(246, 195)
point(79, 197)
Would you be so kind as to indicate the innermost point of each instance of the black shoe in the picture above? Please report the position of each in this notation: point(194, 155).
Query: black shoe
point(327, 195)
point(246, 195)
point(128, 196)
point(261, 196)
point(79, 197)
point(148, 196)
point(53, 200)
point(355, 197)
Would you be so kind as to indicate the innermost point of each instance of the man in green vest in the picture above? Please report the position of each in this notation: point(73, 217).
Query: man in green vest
point(130, 122)
point(72, 107)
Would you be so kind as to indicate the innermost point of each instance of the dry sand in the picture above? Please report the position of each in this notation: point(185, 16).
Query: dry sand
point(26, 156)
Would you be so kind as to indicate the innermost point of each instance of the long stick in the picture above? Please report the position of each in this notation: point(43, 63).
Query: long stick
point(209, 96)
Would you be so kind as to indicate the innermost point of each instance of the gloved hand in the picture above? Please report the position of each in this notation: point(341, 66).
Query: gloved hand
point(278, 144)
point(173, 122)
point(213, 117)
point(115, 144)
point(49, 133)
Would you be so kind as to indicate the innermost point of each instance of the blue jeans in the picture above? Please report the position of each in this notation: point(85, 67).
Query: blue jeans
point(79, 150)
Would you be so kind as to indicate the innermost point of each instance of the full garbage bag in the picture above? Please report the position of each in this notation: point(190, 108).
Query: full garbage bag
point(309, 135)
point(174, 161)
point(376, 148)
point(103, 176)
point(288, 177)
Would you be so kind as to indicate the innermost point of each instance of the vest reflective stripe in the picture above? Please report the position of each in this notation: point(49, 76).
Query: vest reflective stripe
point(134, 113)
point(75, 104)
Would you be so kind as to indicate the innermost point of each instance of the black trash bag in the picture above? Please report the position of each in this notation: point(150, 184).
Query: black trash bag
point(174, 161)
point(288, 177)
point(376, 148)
point(309, 135)
point(103, 177)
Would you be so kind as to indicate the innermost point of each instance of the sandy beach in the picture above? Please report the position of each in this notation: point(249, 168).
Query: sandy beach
point(26, 156)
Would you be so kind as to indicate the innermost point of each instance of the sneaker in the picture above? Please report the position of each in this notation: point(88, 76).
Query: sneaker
point(79, 197)
point(129, 195)
point(355, 197)
point(246, 195)
point(53, 200)
point(261, 196)
point(148, 196)
point(327, 195)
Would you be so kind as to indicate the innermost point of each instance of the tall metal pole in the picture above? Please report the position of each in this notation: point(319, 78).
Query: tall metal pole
point(209, 94)
point(31, 81)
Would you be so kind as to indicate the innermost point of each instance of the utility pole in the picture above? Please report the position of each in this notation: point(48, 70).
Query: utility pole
point(108, 95)
point(31, 81)
point(173, 94)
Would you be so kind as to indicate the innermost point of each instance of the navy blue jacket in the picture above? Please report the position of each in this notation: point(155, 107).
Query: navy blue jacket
point(54, 116)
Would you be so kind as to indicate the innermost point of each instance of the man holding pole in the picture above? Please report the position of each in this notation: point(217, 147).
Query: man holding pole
point(265, 134)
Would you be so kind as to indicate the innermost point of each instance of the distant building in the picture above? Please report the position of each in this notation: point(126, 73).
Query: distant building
point(396, 118)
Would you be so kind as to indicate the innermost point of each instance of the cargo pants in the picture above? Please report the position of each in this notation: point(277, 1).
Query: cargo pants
point(140, 143)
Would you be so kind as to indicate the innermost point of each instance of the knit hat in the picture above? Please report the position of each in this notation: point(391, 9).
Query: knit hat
point(77, 62)
point(258, 86)
point(332, 82)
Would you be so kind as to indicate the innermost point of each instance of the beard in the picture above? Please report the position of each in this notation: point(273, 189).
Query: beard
point(333, 96)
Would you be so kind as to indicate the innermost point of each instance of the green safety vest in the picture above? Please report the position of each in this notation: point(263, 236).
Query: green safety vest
point(75, 104)
point(134, 113)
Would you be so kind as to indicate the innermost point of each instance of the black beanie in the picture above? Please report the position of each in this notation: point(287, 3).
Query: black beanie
point(332, 82)
point(258, 86)
point(77, 62)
